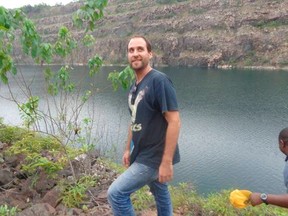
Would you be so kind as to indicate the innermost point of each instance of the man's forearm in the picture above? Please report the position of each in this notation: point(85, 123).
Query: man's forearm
point(278, 200)
point(129, 138)
point(170, 143)
point(172, 135)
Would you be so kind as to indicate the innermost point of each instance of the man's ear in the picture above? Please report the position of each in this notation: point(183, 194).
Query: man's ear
point(282, 143)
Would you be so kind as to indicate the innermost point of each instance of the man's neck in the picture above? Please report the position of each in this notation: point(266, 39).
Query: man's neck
point(141, 74)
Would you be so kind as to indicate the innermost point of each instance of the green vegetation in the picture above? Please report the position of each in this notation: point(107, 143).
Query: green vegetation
point(63, 129)
point(74, 194)
point(250, 58)
point(283, 62)
point(142, 199)
point(46, 153)
point(65, 125)
point(270, 23)
point(165, 15)
point(198, 11)
point(9, 134)
point(218, 203)
point(37, 9)
point(7, 211)
point(185, 198)
point(37, 150)
point(186, 201)
point(169, 1)
point(123, 78)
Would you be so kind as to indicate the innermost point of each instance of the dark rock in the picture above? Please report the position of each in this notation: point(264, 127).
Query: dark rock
point(43, 209)
point(13, 160)
point(39, 194)
point(14, 197)
point(44, 183)
point(20, 174)
point(6, 178)
point(52, 197)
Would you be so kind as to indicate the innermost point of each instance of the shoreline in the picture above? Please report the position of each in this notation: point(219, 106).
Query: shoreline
point(226, 67)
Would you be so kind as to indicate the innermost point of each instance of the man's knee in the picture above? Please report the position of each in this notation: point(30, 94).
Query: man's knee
point(111, 194)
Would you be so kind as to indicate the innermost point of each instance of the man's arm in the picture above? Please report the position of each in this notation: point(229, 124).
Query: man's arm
point(280, 200)
point(126, 155)
point(172, 134)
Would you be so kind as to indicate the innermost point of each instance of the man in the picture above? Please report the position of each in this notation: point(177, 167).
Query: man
point(281, 199)
point(151, 148)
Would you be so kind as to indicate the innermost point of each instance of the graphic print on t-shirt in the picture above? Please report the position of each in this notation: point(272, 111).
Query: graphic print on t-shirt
point(133, 107)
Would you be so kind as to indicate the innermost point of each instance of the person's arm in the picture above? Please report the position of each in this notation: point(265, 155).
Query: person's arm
point(280, 200)
point(172, 134)
point(126, 155)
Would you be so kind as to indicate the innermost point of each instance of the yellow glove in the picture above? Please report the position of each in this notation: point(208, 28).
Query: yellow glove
point(240, 198)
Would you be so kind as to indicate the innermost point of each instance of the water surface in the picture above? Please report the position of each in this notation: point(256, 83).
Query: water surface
point(230, 124)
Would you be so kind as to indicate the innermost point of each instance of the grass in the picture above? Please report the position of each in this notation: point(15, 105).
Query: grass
point(9, 134)
point(187, 202)
point(74, 194)
point(7, 211)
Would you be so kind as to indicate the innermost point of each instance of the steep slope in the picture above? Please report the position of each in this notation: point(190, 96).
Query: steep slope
point(203, 33)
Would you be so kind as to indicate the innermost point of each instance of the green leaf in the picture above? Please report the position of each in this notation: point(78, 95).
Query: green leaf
point(48, 74)
point(94, 65)
point(46, 52)
point(123, 78)
point(52, 89)
point(4, 78)
point(91, 12)
point(63, 32)
point(70, 87)
point(30, 39)
point(88, 40)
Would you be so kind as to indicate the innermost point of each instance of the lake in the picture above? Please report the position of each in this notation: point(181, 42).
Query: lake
point(230, 124)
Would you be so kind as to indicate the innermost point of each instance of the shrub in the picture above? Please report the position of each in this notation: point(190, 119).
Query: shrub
point(74, 194)
point(10, 134)
point(34, 143)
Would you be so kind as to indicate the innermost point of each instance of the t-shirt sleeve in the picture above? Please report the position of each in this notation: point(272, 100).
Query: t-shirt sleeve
point(166, 95)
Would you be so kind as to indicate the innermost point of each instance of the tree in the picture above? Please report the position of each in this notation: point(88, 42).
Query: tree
point(65, 124)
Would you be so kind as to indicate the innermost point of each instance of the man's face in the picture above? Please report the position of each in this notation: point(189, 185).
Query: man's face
point(138, 55)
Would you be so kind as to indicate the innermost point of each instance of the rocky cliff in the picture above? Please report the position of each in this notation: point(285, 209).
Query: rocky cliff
point(206, 33)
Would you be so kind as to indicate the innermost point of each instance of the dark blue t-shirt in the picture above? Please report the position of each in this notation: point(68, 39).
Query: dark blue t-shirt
point(147, 102)
point(285, 172)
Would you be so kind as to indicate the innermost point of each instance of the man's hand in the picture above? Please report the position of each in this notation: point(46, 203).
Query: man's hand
point(165, 172)
point(126, 158)
point(255, 199)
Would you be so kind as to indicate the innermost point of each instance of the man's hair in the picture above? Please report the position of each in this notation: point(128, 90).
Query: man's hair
point(283, 135)
point(148, 44)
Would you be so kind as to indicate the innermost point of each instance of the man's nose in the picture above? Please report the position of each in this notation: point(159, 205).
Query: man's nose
point(135, 53)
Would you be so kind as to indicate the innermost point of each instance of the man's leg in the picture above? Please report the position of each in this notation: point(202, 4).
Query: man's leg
point(135, 177)
point(162, 198)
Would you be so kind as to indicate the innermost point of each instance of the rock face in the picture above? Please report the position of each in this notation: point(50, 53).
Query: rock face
point(205, 33)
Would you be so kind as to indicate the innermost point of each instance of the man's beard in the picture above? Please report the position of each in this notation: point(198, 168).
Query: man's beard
point(137, 65)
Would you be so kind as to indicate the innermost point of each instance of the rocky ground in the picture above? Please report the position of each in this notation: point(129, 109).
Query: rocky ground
point(41, 195)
